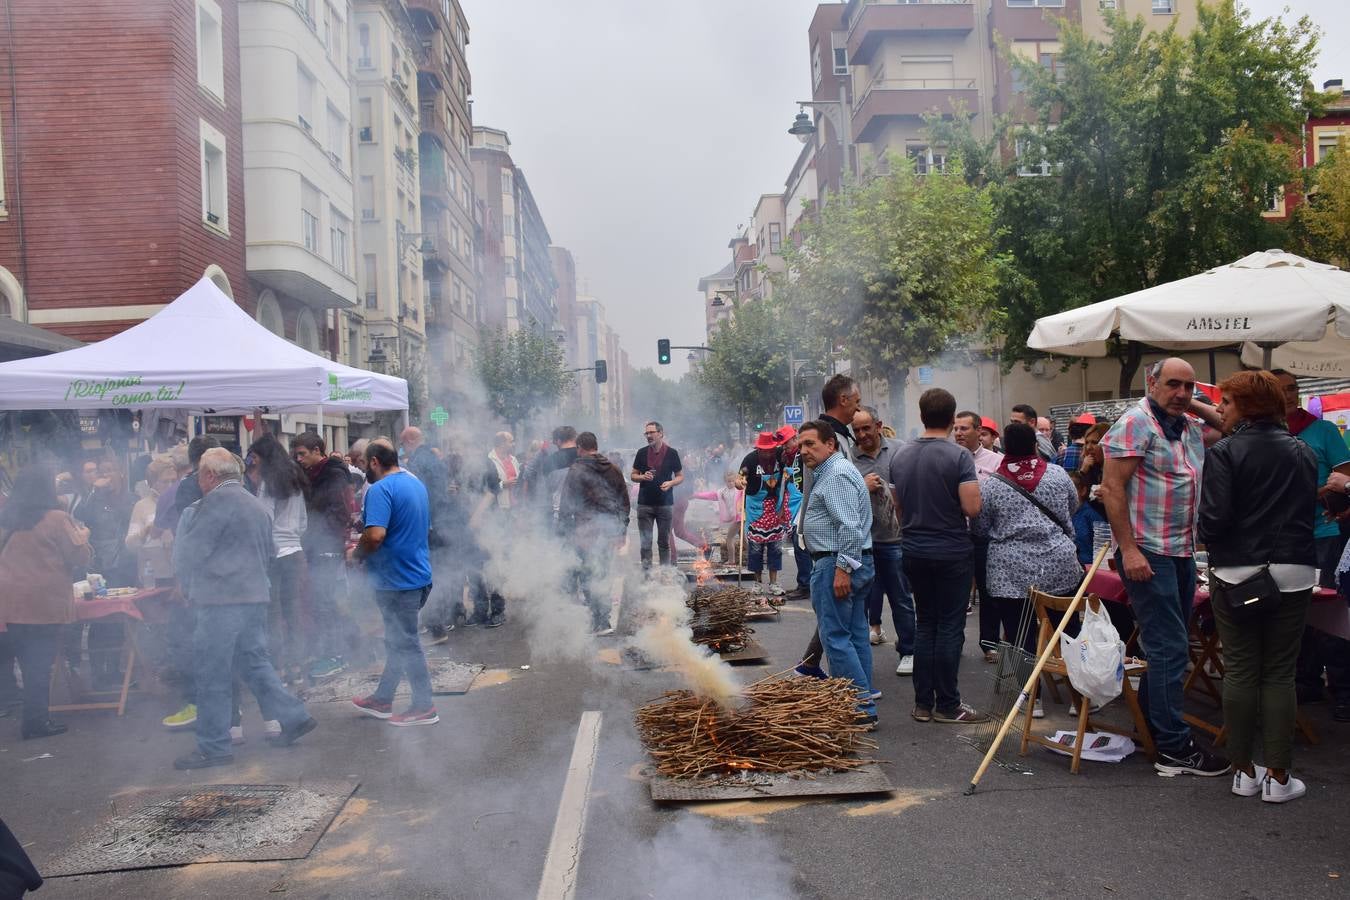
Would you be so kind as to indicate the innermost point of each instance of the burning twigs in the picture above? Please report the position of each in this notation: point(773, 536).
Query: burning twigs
point(785, 725)
point(718, 620)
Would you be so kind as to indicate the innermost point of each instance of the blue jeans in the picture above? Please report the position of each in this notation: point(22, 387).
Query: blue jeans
point(402, 651)
point(941, 589)
point(890, 581)
point(843, 625)
point(231, 639)
point(1162, 607)
point(755, 553)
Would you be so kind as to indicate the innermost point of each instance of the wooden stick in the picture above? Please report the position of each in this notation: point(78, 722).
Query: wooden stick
point(1036, 672)
point(740, 561)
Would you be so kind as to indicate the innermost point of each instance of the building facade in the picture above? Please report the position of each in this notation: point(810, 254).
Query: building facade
point(449, 276)
point(116, 200)
point(298, 173)
point(390, 242)
point(517, 287)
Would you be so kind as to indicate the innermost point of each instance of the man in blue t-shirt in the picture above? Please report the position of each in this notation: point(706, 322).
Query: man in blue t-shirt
point(394, 546)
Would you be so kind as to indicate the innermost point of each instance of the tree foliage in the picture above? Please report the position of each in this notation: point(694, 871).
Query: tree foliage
point(746, 374)
point(1322, 221)
point(523, 372)
point(895, 270)
point(1163, 150)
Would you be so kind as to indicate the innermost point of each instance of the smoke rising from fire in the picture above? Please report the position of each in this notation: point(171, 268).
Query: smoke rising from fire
point(667, 638)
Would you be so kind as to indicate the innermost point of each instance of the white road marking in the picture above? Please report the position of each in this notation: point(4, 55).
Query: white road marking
point(563, 861)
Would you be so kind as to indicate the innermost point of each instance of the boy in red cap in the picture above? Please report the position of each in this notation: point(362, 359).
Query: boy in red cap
point(1072, 454)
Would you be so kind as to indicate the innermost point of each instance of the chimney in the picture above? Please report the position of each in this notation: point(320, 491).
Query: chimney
point(1333, 84)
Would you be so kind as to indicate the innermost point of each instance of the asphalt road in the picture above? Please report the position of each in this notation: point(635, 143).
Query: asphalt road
point(467, 809)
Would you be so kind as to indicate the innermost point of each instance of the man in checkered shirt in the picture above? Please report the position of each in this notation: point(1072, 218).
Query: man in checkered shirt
point(1151, 489)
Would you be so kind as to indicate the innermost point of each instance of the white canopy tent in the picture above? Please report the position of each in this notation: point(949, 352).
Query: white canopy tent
point(200, 353)
point(1284, 310)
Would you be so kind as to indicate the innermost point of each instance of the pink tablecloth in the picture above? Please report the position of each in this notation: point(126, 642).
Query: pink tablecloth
point(144, 605)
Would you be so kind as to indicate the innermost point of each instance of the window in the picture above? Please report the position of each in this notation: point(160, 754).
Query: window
point(464, 188)
point(368, 281)
point(1043, 53)
point(365, 117)
point(508, 225)
point(1273, 203)
point(269, 313)
point(1162, 6)
point(365, 60)
point(307, 332)
point(841, 60)
point(458, 294)
point(775, 237)
point(210, 49)
point(215, 180)
point(1040, 2)
point(309, 216)
point(1106, 4)
point(335, 39)
point(305, 98)
point(926, 160)
point(337, 136)
point(454, 236)
point(339, 232)
point(326, 33)
point(506, 181)
point(918, 72)
point(366, 194)
point(815, 65)
point(1328, 139)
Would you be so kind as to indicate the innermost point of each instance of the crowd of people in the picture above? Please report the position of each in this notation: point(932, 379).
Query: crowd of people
point(266, 552)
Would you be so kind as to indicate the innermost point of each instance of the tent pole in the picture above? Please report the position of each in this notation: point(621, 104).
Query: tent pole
point(1267, 351)
point(320, 427)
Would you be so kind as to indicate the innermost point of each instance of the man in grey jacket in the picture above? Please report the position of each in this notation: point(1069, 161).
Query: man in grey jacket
point(221, 555)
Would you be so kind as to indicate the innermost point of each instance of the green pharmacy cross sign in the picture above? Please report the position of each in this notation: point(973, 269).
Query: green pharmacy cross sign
point(440, 416)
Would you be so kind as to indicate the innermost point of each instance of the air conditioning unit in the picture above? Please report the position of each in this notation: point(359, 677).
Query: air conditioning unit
point(366, 134)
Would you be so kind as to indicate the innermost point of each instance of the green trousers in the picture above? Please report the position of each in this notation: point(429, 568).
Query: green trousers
point(1258, 679)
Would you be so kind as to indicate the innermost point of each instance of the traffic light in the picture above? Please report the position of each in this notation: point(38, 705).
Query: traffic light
point(663, 351)
point(601, 372)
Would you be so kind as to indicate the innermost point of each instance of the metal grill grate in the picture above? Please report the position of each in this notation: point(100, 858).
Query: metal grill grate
point(214, 823)
point(869, 779)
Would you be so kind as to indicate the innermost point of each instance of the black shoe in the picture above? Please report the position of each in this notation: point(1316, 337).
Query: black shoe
point(497, 621)
point(870, 721)
point(1194, 760)
point(198, 760)
point(43, 729)
point(1341, 713)
point(291, 735)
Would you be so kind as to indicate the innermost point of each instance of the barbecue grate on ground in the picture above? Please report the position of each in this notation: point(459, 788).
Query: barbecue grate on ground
point(213, 823)
point(869, 779)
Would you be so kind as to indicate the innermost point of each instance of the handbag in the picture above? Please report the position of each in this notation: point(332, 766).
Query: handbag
point(1248, 598)
point(1067, 529)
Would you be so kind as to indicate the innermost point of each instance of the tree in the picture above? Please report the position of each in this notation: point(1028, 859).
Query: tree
point(895, 270)
point(1161, 152)
point(746, 374)
point(1322, 222)
point(523, 372)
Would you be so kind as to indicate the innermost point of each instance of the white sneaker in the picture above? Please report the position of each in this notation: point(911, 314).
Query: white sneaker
point(1037, 709)
point(906, 666)
point(878, 637)
point(1274, 792)
point(236, 734)
point(1248, 787)
point(271, 728)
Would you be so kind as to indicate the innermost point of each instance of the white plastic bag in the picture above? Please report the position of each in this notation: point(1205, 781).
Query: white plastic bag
point(1096, 658)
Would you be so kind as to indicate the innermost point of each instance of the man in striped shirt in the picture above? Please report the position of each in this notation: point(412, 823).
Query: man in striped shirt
point(1151, 488)
point(836, 525)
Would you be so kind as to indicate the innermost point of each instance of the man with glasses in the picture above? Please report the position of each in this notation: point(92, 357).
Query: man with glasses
point(1150, 488)
point(656, 471)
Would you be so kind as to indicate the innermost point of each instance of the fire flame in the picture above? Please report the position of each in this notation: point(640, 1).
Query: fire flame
point(703, 572)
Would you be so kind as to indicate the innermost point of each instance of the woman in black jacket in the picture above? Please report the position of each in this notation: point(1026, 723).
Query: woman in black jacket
point(1257, 486)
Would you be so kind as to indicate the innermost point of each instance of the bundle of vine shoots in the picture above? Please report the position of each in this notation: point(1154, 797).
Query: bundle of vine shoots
point(719, 617)
point(784, 725)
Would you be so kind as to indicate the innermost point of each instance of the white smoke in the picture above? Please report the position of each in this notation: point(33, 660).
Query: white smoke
point(666, 637)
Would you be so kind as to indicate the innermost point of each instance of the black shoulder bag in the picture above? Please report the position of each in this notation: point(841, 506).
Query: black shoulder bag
point(1067, 529)
point(1249, 598)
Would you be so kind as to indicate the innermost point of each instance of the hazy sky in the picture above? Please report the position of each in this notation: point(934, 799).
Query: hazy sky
point(648, 131)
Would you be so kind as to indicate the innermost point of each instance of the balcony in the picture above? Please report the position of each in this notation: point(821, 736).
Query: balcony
point(431, 117)
point(886, 99)
point(428, 11)
point(431, 57)
point(875, 22)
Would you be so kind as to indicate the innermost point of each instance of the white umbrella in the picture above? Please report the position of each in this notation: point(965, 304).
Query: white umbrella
point(1261, 301)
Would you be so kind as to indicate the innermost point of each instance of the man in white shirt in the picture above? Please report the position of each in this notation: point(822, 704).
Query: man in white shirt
point(966, 432)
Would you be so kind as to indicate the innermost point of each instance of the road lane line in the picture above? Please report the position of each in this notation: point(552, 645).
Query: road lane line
point(563, 861)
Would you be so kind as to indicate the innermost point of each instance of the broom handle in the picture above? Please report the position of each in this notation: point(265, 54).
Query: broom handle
point(740, 567)
point(1036, 672)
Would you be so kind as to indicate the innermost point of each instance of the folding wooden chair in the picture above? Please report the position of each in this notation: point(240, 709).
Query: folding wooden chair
point(1044, 604)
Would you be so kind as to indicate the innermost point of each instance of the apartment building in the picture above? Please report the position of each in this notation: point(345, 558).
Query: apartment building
point(449, 276)
point(298, 173)
point(718, 290)
point(121, 160)
point(390, 242)
point(517, 288)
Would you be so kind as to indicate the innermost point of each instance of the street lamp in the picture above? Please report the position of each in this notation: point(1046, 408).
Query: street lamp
point(838, 114)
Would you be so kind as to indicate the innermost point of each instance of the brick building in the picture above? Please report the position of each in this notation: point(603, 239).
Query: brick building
point(121, 137)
